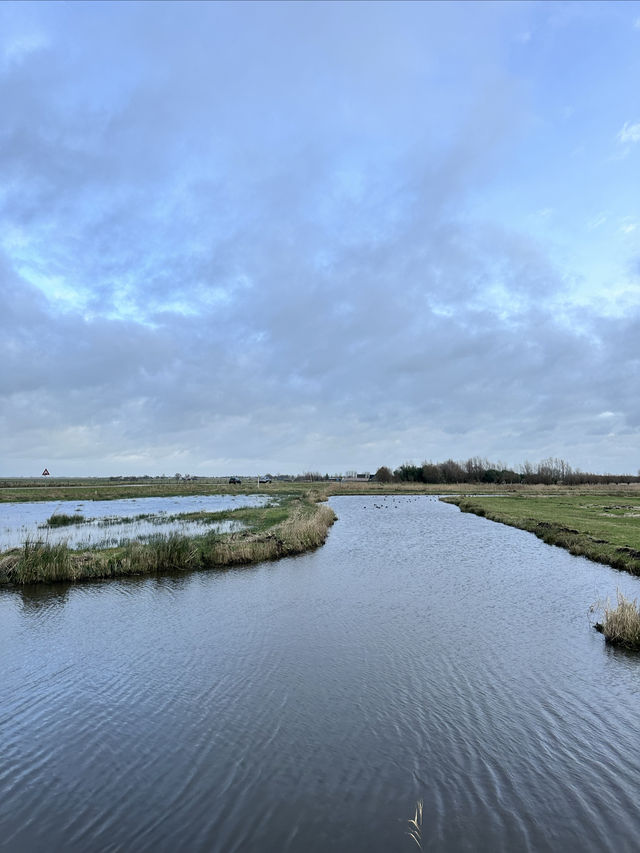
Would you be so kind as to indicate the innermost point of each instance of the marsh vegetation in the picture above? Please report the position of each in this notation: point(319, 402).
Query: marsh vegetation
point(289, 526)
point(63, 520)
point(620, 624)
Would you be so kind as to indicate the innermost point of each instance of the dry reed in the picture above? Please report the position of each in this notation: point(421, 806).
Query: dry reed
point(621, 624)
point(415, 825)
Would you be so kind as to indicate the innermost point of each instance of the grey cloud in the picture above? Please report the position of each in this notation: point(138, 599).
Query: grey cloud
point(294, 302)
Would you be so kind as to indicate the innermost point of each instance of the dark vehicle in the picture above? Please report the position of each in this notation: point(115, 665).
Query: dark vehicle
point(234, 481)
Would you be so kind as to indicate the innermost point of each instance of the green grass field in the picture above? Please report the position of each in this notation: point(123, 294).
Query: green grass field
point(602, 527)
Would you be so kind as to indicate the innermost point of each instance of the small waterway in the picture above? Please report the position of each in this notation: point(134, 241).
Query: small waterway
point(105, 525)
point(305, 705)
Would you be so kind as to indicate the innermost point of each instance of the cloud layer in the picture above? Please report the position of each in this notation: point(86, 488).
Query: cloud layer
point(287, 237)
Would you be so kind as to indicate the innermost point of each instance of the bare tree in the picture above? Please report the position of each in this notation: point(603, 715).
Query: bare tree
point(383, 475)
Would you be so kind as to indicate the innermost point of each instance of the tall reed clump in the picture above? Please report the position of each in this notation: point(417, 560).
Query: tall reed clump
point(39, 562)
point(163, 553)
point(621, 624)
point(301, 531)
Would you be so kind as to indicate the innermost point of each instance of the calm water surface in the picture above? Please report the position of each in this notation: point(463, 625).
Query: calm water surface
point(306, 705)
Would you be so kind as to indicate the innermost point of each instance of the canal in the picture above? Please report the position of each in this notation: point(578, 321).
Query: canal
point(308, 704)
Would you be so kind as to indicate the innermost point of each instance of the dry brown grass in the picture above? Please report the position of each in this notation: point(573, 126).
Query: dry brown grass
point(305, 528)
point(415, 825)
point(621, 624)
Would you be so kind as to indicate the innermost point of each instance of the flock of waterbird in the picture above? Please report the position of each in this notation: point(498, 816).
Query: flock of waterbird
point(394, 504)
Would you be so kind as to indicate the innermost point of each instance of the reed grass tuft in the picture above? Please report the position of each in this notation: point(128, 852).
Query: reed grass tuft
point(41, 561)
point(621, 624)
point(415, 825)
point(63, 520)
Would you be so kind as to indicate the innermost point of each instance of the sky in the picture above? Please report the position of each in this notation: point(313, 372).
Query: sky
point(287, 237)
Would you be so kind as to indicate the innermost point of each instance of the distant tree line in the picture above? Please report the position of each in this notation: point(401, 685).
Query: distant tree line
point(550, 471)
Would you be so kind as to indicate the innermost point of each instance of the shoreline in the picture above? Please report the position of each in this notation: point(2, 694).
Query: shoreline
point(288, 528)
point(300, 520)
point(576, 529)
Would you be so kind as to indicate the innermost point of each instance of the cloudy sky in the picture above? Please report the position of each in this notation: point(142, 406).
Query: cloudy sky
point(238, 238)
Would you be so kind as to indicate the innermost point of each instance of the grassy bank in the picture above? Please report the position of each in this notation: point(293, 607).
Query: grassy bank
point(602, 527)
point(296, 524)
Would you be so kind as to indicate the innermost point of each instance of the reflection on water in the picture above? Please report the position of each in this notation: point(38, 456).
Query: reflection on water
point(307, 705)
point(41, 598)
point(20, 522)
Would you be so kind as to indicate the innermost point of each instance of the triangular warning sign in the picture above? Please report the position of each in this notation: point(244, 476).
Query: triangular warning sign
point(46, 473)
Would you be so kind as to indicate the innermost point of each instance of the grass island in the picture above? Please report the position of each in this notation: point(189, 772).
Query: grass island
point(291, 524)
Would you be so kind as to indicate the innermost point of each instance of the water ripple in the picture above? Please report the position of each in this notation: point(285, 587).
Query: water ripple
point(306, 705)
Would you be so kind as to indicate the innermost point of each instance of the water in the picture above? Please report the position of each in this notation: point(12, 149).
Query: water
point(305, 705)
point(26, 521)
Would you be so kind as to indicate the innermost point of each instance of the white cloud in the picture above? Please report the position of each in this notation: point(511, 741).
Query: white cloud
point(17, 49)
point(628, 228)
point(597, 221)
point(630, 132)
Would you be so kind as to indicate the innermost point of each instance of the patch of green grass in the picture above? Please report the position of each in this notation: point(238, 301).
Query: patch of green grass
point(62, 520)
point(201, 516)
point(600, 527)
point(110, 520)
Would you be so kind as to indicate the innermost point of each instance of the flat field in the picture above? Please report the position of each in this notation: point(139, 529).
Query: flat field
point(105, 488)
point(64, 489)
point(602, 527)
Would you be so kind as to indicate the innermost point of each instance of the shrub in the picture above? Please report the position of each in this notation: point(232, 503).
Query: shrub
point(62, 520)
